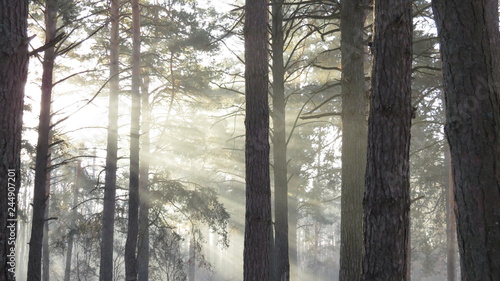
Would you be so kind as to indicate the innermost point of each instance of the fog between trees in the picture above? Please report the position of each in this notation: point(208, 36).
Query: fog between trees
point(355, 143)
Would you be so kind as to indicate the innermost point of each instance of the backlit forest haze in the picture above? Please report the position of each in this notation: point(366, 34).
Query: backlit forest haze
point(255, 140)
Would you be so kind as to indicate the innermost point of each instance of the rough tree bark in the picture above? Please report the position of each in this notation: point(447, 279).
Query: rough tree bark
point(133, 202)
point(108, 213)
point(42, 149)
point(281, 258)
point(258, 194)
point(13, 75)
point(354, 137)
point(469, 40)
point(386, 201)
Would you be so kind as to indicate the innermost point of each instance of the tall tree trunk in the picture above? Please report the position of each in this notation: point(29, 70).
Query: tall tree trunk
point(45, 246)
point(133, 202)
point(354, 137)
point(72, 230)
point(387, 200)
point(258, 221)
point(469, 40)
point(13, 75)
point(108, 213)
point(42, 149)
point(292, 226)
point(144, 197)
point(451, 228)
point(281, 258)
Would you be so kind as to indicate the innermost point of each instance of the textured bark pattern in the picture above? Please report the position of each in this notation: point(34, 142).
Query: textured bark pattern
point(133, 202)
point(470, 40)
point(258, 193)
point(386, 201)
point(282, 263)
point(13, 74)
point(108, 213)
point(354, 138)
point(42, 148)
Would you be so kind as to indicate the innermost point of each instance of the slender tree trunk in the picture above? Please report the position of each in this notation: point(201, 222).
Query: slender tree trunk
point(451, 240)
point(42, 149)
point(192, 260)
point(45, 250)
point(292, 226)
point(258, 192)
point(144, 197)
point(133, 208)
point(354, 137)
point(72, 230)
point(387, 201)
point(281, 258)
point(69, 255)
point(45, 246)
point(469, 41)
point(13, 75)
point(108, 213)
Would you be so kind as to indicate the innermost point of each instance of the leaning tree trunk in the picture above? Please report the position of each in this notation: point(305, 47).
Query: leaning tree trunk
point(108, 212)
point(470, 52)
point(387, 201)
point(258, 193)
point(13, 75)
point(42, 149)
point(133, 202)
point(281, 258)
point(354, 137)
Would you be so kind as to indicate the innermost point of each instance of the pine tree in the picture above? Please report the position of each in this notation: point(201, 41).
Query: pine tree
point(387, 196)
point(42, 164)
point(354, 137)
point(281, 243)
point(108, 217)
point(13, 75)
point(469, 40)
point(133, 205)
point(258, 193)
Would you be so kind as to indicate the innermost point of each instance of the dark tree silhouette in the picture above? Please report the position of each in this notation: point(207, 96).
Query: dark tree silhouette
point(13, 75)
point(133, 202)
point(108, 213)
point(258, 193)
point(40, 198)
